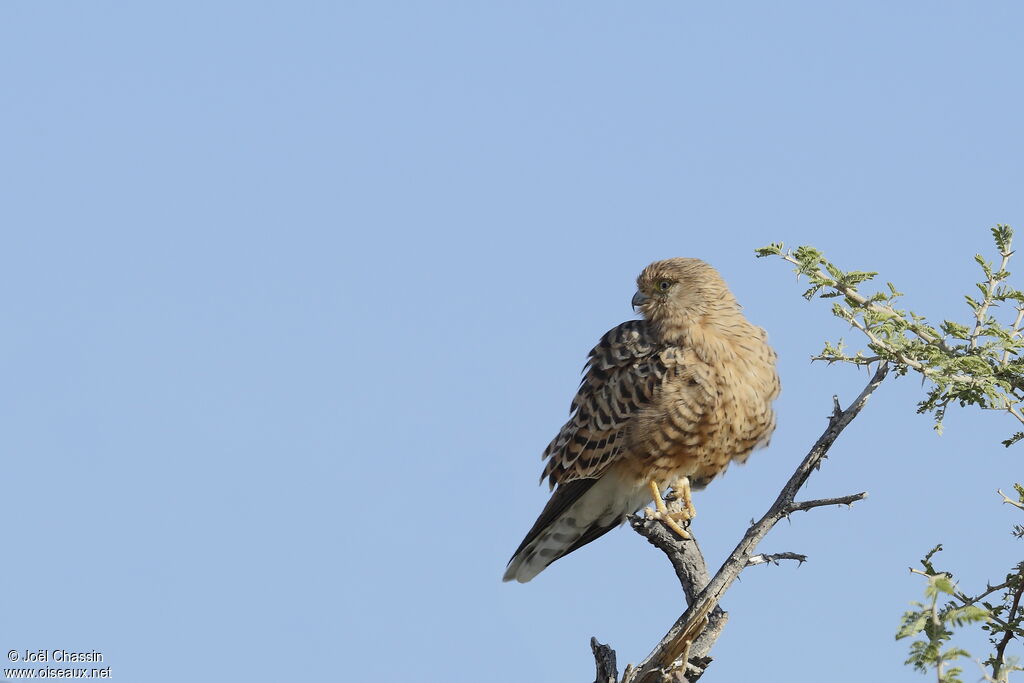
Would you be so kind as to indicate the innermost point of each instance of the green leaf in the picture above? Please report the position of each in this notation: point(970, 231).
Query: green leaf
point(808, 259)
point(855, 277)
point(943, 584)
point(809, 294)
point(960, 367)
point(955, 329)
point(1003, 236)
point(913, 622)
point(985, 265)
point(966, 615)
point(773, 249)
point(1013, 439)
point(927, 560)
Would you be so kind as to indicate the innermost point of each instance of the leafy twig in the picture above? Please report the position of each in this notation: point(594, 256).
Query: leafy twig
point(978, 364)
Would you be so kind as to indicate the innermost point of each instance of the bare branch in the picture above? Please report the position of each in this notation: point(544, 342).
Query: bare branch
point(774, 558)
point(684, 553)
point(988, 591)
point(822, 502)
point(1010, 500)
point(692, 571)
point(1000, 659)
point(604, 657)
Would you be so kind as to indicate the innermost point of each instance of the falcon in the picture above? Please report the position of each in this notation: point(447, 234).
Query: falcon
point(666, 401)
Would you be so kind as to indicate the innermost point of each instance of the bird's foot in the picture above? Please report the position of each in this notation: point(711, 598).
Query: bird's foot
point(662, 513)
point(681, 496)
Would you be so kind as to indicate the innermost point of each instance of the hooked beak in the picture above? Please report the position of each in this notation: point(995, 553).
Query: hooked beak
point(639, 299)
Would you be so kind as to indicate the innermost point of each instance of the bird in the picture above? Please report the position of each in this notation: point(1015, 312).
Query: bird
point(669, 400)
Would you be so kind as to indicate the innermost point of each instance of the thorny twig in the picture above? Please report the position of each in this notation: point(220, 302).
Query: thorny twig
point(821, 502)
point(1009, 500)
point(774, 558)
point(997, 666)
point(959, 595)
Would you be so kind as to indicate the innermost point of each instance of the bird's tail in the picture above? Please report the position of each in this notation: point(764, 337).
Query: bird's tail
point(578, 512)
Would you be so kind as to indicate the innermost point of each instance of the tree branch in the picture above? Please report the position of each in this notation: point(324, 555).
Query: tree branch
point(604, 658)
point(1000, 658)
point(967, 600)
point(681, 655)
point(1015, 332)
point(822, 502)
point(774, 558)
point(692, 571)
point(1009, 500)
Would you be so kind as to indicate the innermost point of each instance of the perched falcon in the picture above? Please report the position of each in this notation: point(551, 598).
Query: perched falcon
point(669, 400)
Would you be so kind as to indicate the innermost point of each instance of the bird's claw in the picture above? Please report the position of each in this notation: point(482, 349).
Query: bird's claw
point(670, 519)
point(683, 510)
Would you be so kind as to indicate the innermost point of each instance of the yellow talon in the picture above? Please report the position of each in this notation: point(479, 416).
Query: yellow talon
point(663, 514)
point(681, 489)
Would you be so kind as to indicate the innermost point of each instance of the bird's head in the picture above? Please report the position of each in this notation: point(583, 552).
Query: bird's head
point(679, 289)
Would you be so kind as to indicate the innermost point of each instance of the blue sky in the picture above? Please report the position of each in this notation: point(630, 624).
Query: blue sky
point(298, 292)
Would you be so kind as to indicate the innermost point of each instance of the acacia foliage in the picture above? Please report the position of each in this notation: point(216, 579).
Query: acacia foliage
point(976, 361)
point(973, 362)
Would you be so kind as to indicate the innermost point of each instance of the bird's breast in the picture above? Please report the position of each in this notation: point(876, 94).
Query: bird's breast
point(707, 415)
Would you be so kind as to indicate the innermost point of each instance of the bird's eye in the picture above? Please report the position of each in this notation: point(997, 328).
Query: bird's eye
point(664, 285)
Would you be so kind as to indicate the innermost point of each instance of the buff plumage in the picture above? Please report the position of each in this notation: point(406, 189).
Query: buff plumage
point(681, 393)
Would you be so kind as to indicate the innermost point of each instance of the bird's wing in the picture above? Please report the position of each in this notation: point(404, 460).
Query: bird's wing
point(621, 378)
point(638, 397)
